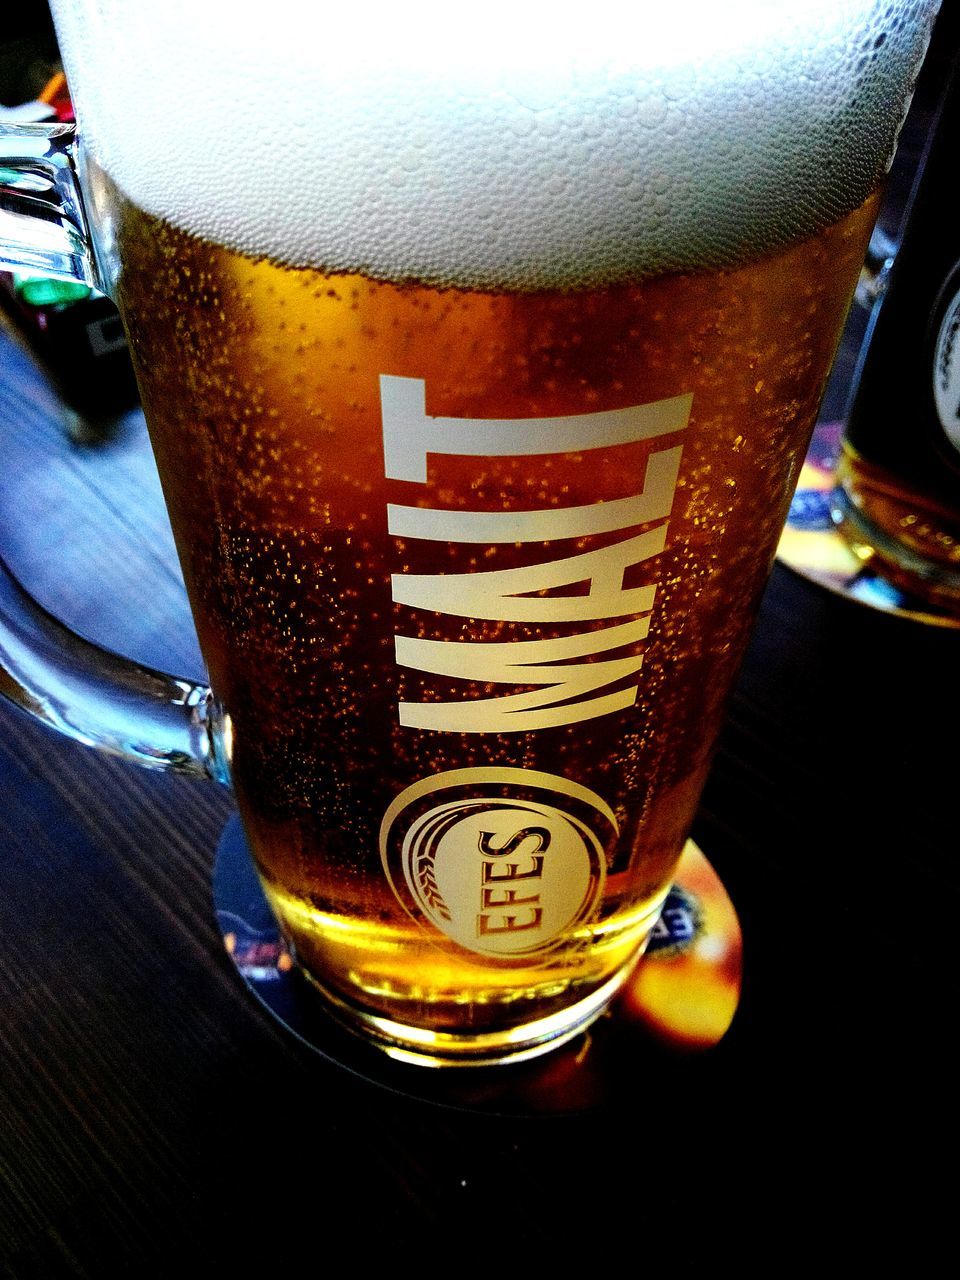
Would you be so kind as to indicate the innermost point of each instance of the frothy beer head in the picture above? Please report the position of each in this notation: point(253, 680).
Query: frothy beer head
point(524, 145)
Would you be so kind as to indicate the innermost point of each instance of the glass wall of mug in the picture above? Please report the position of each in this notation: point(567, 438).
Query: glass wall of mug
point(478, 378)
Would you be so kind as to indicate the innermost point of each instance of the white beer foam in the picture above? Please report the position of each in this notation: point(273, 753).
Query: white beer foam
point(529, 145)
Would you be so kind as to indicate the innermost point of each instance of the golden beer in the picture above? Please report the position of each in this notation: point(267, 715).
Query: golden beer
point(475, 511)
point(261, 387)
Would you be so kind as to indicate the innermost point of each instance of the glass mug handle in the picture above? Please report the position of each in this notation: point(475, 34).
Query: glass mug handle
point(88, 693)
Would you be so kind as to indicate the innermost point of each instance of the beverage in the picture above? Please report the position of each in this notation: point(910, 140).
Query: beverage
point(476, 482)
point(912, 538)
point(271, 456)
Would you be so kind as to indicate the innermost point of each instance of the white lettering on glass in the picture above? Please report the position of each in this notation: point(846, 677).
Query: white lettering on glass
point(569, 691)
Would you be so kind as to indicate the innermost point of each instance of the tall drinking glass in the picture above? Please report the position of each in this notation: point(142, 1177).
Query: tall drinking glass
point(479, 355)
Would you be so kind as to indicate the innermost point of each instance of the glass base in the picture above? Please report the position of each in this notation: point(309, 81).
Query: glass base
point(853, 566)
point(680, 998)
point(439, 1049)
point(937, 585)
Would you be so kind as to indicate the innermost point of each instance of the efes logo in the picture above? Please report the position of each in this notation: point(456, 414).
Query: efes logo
point(503, 861)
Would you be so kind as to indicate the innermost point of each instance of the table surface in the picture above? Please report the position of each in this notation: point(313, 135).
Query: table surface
point(151, 1111)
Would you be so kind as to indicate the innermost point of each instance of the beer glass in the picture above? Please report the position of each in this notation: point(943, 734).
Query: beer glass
point(479, 358)
point(897, 496)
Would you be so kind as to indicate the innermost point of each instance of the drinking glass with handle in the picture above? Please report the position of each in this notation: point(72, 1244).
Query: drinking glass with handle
point(478, 374)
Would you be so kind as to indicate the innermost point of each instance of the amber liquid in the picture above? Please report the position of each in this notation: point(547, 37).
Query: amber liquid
point(913, 537)
point(260, 385)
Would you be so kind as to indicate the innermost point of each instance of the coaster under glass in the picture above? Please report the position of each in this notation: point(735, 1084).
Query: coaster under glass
point(680, 999)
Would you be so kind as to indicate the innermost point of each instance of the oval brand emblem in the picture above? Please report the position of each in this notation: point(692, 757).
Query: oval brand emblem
point(486, 857)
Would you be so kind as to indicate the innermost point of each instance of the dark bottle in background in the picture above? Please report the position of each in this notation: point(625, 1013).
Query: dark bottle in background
point(898, 494)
